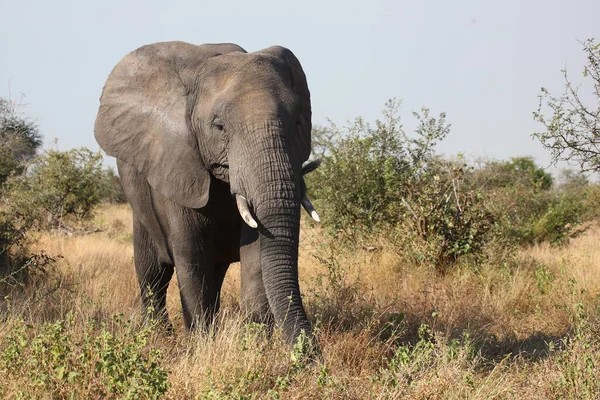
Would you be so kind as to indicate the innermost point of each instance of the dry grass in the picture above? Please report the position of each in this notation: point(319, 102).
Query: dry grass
point(492, 331)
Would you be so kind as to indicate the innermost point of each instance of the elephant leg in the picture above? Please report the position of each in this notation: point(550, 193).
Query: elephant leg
point(153, 275)
point(254, 297)
point(199, 291)
point(220, 271)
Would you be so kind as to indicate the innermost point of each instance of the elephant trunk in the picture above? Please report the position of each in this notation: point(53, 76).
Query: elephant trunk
point(279, 216)
point(272, 187)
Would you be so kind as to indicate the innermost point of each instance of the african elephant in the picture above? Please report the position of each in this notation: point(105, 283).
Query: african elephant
point(207, 137)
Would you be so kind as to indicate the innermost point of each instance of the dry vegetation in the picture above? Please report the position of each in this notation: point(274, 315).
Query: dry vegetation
point(526, 329)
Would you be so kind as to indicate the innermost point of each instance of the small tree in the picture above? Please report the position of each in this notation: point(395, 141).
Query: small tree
point(57, 185)
point(516, 173)
point(572, 131)
point(19, 139)
point(528, 207)
point(380, 179)
point(366, 169)
point(112, 188)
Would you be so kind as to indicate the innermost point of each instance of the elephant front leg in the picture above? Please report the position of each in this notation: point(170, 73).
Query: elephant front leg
point(153, 275)
point(254, 297)
point(198, 292)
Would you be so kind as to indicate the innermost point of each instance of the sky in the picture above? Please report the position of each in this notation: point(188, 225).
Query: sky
point(481, 62)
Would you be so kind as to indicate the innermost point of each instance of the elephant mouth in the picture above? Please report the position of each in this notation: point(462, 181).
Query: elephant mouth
point(219, 165)
point(220, 171)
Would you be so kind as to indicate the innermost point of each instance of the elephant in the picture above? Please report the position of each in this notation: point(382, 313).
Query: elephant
point(210, 143)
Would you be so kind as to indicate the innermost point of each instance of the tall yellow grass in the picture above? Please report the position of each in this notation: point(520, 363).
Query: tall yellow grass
point(368, 307)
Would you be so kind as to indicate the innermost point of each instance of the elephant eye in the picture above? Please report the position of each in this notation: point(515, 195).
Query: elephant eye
point(218, 123)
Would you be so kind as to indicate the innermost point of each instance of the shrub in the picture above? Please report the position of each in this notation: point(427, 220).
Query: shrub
point(445, 221)
point(570, 123)
point(576, 185)
point(367, 171)
point(19, 267)
point(558, 223)
point(378, 179)
point(107, 361)
point(518, 171)
point(19, 139)
point(11, 248)
point(57, 185)
point(527, 207)
point(112, 188)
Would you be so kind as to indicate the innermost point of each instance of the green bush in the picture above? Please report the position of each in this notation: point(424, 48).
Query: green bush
point(378, 180)
point(11, 248)
point(445, 221)
point(518, 171)
point(19, 142)
point(559, 223)
point(112, 188)
point(367, 171)
point(528, 207)
point(41, 191)
point(576, 185)
point(19, 139)
point(58, 185)
point(19, 267)
point(106, 361)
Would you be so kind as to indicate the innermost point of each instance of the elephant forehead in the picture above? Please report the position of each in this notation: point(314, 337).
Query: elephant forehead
point(250, 96)
point(247, 68)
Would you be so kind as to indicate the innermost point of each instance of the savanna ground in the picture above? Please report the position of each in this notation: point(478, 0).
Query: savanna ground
point(527, 329)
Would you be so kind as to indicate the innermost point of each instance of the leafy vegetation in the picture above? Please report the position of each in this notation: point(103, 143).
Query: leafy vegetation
point(374, 179)
point(98, 364)
point(367, 171)
point(388, 328)
point(58, 184)
point(571, 121)
point(377, 180)
point(19, 139)
point(42, 191)
point(527, 206)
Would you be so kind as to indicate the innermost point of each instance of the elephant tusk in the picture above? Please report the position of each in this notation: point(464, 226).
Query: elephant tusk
point(310, 166)
point(242, 205)
point(310, 209)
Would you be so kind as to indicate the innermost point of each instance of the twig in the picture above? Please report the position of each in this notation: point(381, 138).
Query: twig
point(409, 208)
point(456, 195)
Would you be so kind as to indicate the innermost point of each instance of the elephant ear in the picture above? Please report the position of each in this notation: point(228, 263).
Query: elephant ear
point(298, 80)
point(143, 118)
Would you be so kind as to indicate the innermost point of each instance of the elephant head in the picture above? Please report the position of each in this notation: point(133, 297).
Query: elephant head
point(184, 115)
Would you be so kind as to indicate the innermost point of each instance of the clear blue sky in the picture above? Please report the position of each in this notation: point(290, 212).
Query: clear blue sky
point(482, 62)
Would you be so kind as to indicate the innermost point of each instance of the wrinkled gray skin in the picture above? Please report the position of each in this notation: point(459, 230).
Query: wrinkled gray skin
point(191, 126)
